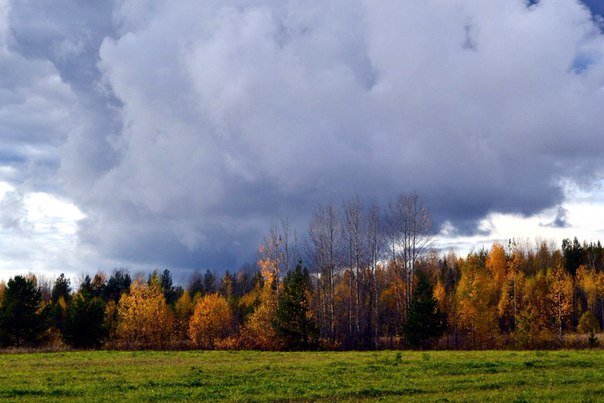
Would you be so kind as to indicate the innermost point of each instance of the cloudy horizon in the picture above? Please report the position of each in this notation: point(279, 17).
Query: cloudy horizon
point(155, 134)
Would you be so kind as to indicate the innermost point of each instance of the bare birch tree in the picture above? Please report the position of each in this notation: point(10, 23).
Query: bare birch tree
point(352, 233)
point(410, 236)
point(322, 252)
point(375, 243)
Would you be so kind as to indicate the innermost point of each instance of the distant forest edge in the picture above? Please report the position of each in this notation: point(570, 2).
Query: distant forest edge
point(362, 278)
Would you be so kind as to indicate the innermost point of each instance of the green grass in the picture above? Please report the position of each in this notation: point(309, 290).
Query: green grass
point(252, 375)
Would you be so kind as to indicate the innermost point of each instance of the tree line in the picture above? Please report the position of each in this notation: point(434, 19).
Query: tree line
point(363, 277)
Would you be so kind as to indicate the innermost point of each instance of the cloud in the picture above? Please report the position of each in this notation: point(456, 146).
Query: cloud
point(197, 124)
point(37, 234)
point(560, 221)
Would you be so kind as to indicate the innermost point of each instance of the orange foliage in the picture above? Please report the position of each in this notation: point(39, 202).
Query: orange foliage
point(497, 264)
point(212, 321)
point(259, 332)
point(440, 295)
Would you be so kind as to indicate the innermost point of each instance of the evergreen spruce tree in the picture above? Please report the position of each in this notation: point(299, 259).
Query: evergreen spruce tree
point(23, 319)
point(424, 321)
point(60, 297)
point(118, 284)
point(61, 288)
point(293, 323)
point(84, 323)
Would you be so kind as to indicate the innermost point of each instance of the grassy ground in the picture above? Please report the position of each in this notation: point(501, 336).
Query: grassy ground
point(251, 375)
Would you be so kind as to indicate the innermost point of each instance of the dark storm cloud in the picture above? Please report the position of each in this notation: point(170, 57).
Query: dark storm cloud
point(67, 34)
point(192, 126)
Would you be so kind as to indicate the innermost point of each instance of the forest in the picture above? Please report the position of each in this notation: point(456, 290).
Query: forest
point(361, 278)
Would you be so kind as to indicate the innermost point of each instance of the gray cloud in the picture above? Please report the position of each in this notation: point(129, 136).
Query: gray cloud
point(191, 126)
point(12, 212)
point(560, 221)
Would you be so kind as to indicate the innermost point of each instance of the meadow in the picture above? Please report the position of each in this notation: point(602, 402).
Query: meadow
point(253, 375)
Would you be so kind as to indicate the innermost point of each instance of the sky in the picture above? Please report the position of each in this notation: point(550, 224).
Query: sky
point(161, 134)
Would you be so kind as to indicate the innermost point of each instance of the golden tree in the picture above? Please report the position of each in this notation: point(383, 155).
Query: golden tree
point(560, 298)
point(533, 326)
point(391, 302)
point(496, 263)
point(477, 302)
point(440, 295)
point(212, 321)
point(144, 319)
point(259, 331)
point(183, 310)
point(592, 284)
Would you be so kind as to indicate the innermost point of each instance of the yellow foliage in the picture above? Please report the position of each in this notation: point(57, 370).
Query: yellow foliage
point(183, 310)
point(392, 296)
point(184, 306)
point(588, 323)
point(592, 284)
point(212, 321)
point(560, 298)
point(510, 299)
point(144, 320)
point(63, 305)
point(259, 332)
point(477, 303)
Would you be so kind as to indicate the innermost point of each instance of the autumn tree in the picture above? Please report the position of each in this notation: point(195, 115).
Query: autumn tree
point(212, 321)
point(510, 294)
point(588, 324)
point(591, 283)
point(183, 310)
point(534, 326)
point(391, 304)
point(259, 331)
point(144, 320)
point(477, 301)
point(560, 298)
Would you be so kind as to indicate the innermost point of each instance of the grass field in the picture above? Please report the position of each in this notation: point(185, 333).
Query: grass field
point(251, 375)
